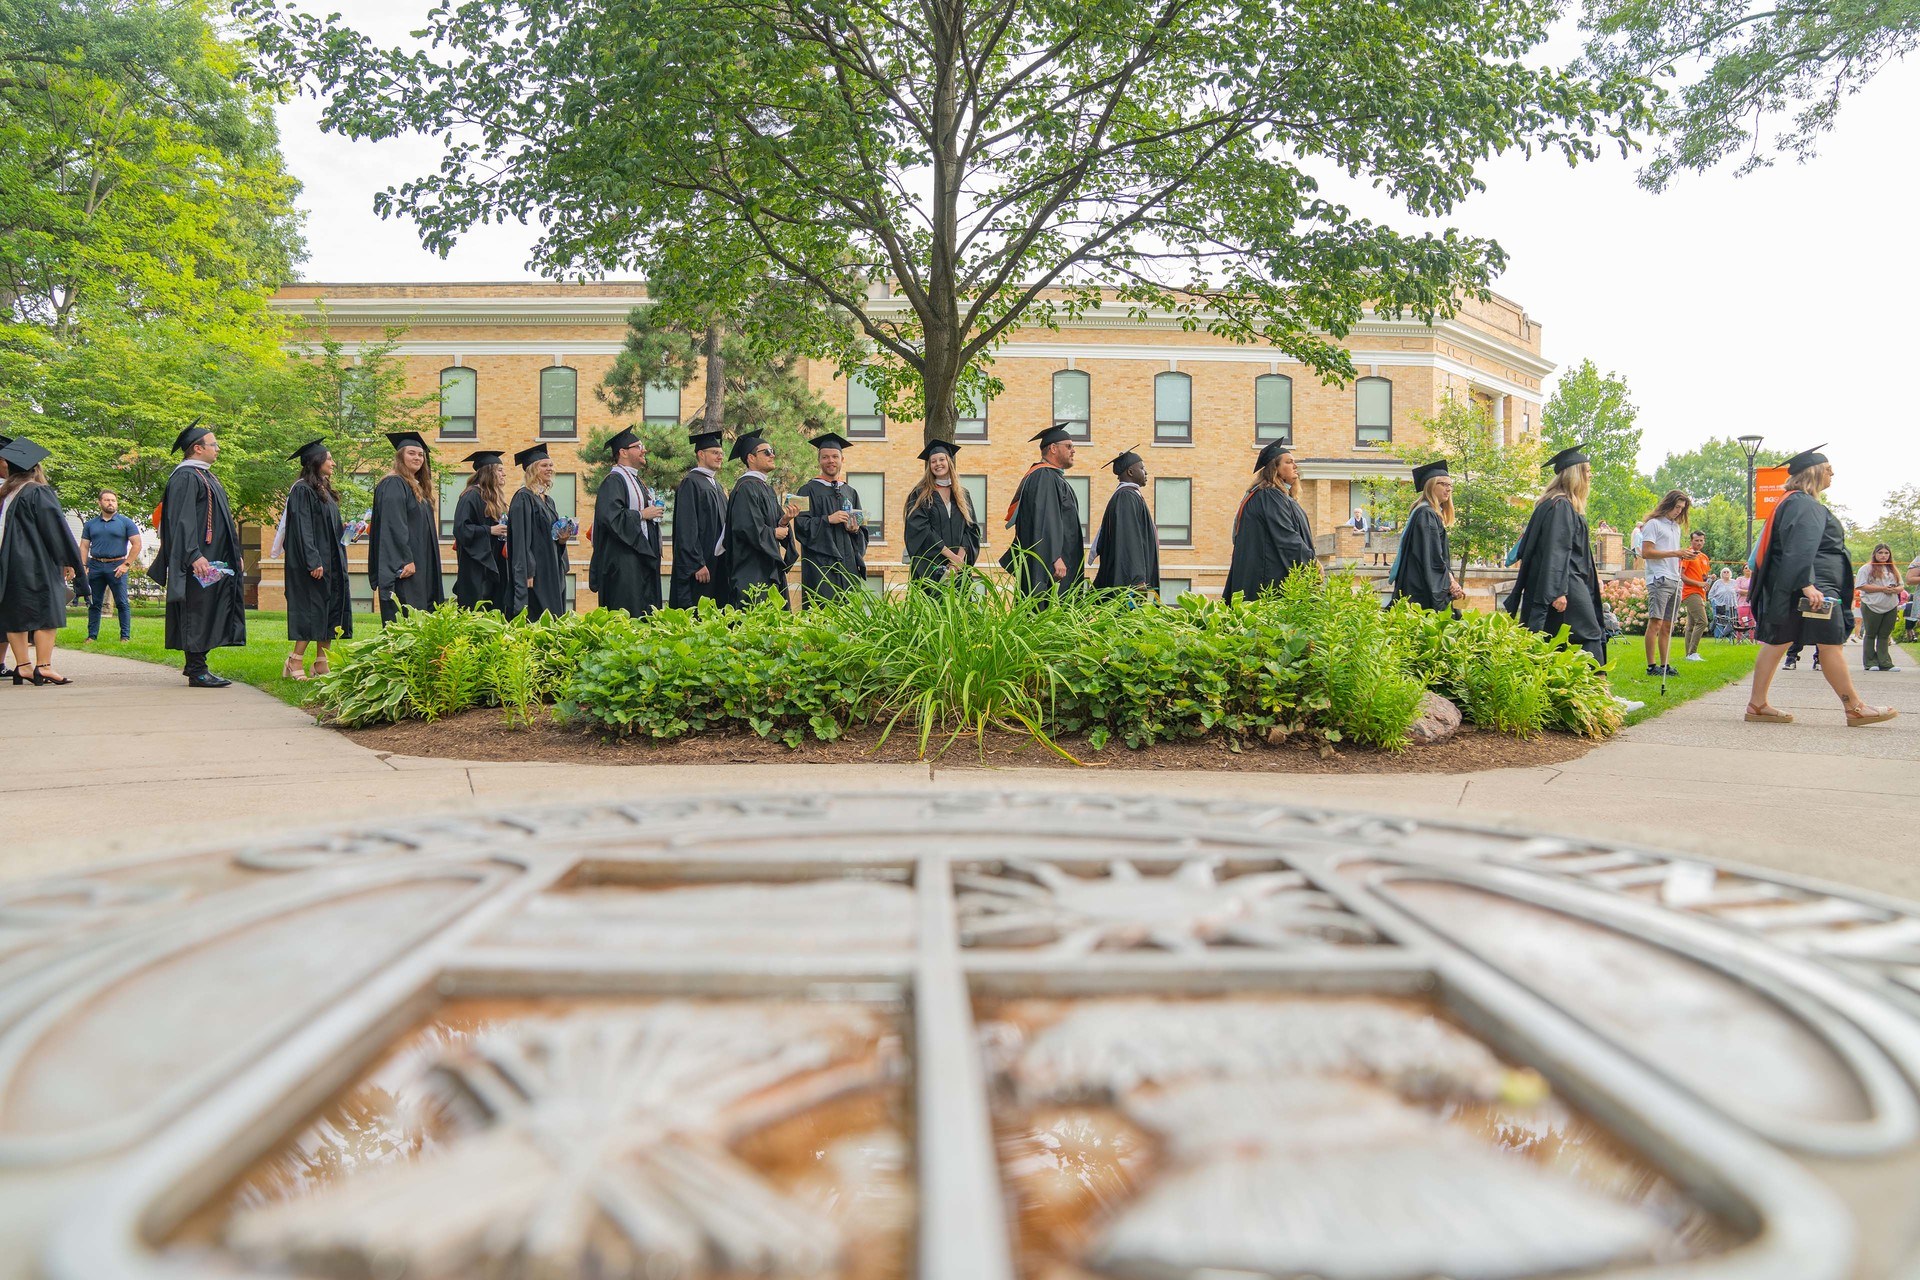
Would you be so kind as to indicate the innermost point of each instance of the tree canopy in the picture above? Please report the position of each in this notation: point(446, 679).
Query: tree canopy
point(1595, 410)
point(1717, 469)
point(944, 173)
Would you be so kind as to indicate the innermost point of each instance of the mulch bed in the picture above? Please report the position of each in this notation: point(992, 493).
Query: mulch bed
point(481, 734)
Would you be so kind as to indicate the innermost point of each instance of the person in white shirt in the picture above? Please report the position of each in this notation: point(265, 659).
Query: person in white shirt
point(1660, 536)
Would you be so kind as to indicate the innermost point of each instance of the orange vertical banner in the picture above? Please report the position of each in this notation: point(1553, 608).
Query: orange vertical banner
point(1769, 486)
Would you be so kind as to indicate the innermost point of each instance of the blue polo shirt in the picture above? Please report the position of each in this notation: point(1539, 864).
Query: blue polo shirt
point(107, 539)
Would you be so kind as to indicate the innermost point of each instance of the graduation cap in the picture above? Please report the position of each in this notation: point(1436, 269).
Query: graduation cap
point(23, 454)
point(1124, 461)
point(1427, 471)
point(705, 440)
point(484, 457)
point(624, 439)
point(1268, 454)
point(1809, 458)
point(401, 439)
point(530, 455)
point(311, 451)
point(747, 444)
point(947, 447)
point(1053, 435)
point(1567, 457)
point(831, 440)
point(188, 438)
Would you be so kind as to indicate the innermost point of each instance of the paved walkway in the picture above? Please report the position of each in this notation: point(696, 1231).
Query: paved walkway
point(128, 759)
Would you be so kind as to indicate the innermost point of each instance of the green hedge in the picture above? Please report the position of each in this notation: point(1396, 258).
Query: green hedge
point(1318, 658)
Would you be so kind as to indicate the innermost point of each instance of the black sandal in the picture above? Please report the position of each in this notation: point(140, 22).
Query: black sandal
point(40, 679)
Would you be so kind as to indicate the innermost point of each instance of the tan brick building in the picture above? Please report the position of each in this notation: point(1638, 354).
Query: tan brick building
point(518, 362)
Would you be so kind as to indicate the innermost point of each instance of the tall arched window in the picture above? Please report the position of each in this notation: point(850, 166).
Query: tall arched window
point(1373, 411)
point(1172, 408)
point(459, 392)
point(1073, 402)
point(1273, 408)
point(559, 402)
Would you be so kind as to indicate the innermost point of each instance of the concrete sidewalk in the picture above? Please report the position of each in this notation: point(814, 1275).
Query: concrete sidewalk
point(128, 759)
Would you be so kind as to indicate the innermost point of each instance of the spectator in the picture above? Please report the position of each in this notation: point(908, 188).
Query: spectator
point(1694, 568)
point(1724, 594)
point(110, 543)
point(1913, 601)
point(1879, 585)
point(1660, 535)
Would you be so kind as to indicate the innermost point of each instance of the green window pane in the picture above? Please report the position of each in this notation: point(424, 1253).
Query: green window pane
point(1273, 407)
point(1083, 494)
point(872, 488)
point(1173, 509)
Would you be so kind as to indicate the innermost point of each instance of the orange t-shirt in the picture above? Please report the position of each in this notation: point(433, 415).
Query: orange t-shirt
point(1693, 574)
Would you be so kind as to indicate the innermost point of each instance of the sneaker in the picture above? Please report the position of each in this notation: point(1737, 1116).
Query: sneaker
point(1791, 663)
point(1653, 669)
point(1694, 657)
point(1669, 670)
point(1628, 705)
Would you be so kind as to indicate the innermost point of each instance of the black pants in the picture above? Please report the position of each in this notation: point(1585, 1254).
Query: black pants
point(196, 663)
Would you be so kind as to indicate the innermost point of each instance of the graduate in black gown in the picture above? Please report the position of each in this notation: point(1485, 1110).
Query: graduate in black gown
point(1422, 570)
point(624, 569)
point(831, 533)
point(198, 536)
point(1271, 535)
point(760, 545)
point(38, 558)
point(403, 534)
point(1127, 546)
point(1048, 552)
point(1801, 569)
point(536, 553)
point(480, 534)
point(319, 604)
point(942, 528)
point(1559, 583)
point(700, 529)
point(5, 651)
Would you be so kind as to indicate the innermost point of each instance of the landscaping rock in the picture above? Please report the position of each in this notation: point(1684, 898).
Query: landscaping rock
point(1439, 720)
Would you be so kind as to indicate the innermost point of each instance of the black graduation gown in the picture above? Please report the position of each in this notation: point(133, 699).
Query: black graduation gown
point(624, 569)
point(834, 557)
point(1556, 559)
point(316, 607)
point(1421, 573)
point(1046, 527)
point(533, 553)
point(1270, 536)
point(34, 549)
point(699, 521)
point(1127, 547)
point(1806, 546)
point(403, 530)
point(931, 526)
point(479, 558)
point(760, 560)
point(195, 521)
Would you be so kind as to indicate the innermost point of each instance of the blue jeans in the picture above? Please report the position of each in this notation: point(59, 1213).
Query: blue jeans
point(101, 579)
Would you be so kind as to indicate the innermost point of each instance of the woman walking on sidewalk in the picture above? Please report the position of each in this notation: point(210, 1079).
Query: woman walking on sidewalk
point(319, 605)
point(1879, 585)
point(38, 558)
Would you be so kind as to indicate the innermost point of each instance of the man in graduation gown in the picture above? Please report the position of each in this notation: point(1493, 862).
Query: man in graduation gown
point(760, 545)
point(1048, 551)
point(536, 557)
point(198, 533)
point(1421, 571)
point(624, 569)
point(403, 533)
point(1127, 547)
point(832, 537)
point(700, 529)
point(1271, 535)
point(1559, 583)
point(480, 540)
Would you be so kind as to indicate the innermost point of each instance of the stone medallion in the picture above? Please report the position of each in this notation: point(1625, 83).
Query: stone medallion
point(954, 1036)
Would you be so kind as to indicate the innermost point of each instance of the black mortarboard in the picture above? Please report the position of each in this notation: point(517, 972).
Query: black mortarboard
point(705, 440)
point(831, 440)
point(530, 455)
point(23, 454)
point(1427, 471)
point(1567, 457)
point(1053, 435)
point(190, 437)
point(947, 447)
point(400, 439)
point(746, 444)
point(5, 440)
point(317, 448)
point(1810, 458)
point(1125, 460)
point(484, 457)
point(624, 439)
point(1271, 452)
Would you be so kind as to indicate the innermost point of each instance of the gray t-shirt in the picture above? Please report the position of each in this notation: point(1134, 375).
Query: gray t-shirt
point(1665, 536)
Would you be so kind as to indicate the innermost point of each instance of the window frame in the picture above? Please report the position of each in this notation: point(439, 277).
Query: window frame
point(1159, 529)
point(1168, 430)
point(648, 418)
point(878, 416)
point(980, 507)
point(449, 484)
point(1260, 426)
point(1085, 432)
point(1186, 588)
point(960, 417)
point(875, 513)
point(572, 420)
point(472, 430)
point(1360, 440)
point(1085, 483)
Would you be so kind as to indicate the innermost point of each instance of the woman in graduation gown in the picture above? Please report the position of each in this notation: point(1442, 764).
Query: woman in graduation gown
point(480, 534)
point(1421, 571)
point(1802, 563)
point(942, 532)
point(403, 535)
point(1559, 583)
point(536, 556)
point(38, 557)
point(1271, 535)
point(319, 605)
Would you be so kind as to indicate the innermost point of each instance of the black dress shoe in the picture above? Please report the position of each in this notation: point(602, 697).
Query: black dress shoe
point(207, 680)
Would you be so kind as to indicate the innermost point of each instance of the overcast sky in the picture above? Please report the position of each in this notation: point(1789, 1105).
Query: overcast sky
point(1779, 303)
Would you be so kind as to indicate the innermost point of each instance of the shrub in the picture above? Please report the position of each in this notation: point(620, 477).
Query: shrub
point(1627, 597)
point(1502, 675)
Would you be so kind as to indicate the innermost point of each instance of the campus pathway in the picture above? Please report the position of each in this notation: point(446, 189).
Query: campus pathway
point(128, 759)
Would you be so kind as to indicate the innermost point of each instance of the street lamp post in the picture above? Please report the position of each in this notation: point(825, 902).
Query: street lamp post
point(1751, 444)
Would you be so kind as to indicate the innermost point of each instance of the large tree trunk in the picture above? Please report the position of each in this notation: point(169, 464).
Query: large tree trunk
point(716, 376)
point(940, 324)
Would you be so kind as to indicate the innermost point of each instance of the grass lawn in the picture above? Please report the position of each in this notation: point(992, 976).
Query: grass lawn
point(1725, 663)
point(258, 664)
